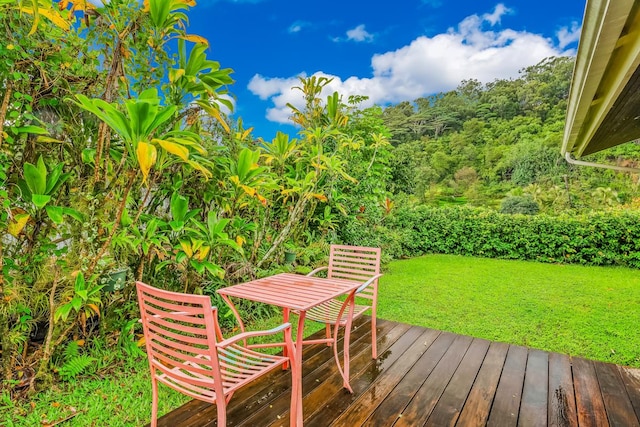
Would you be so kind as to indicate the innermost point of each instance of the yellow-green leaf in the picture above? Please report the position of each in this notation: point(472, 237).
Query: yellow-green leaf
point(249, 190)
point(16, 227)
point(48, 139)
point(147, 155)
point(197, 166)
point(195, 39)
point(173, 148)
point(216, 115)
point(186, 247)
point(319, 196)
point(175, 74)
point(202, 253)
point(48, 13)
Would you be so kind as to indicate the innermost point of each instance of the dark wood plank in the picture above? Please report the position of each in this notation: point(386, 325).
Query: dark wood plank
point(370, 386)
point(426, 398)
point(476, 409)
point(533, 408)
point(389, 409)
point(631, 380)
point(616, 400)
point(562, 399)
point(351, 410)
point(506, 404)
point(449, 407)
point(434, 378)
point(589, 402)
point(277, 408)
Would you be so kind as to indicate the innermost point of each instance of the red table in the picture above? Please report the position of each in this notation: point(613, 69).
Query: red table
point(298, 293)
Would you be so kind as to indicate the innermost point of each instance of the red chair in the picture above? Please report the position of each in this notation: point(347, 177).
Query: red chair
point(187, 352)
point(357, 263)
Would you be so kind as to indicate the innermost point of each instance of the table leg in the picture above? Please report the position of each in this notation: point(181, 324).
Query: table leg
point(296, 374)
point(285, 319)
point(235, 313)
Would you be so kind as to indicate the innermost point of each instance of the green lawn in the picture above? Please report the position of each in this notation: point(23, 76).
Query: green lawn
point(591, 312)
point(585, 311)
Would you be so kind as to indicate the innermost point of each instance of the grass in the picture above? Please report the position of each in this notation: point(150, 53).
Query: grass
point(120, 398)
point(590, 312)
point(583, 311)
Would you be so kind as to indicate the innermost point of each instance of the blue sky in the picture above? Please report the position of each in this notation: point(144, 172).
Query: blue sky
point(390, 51)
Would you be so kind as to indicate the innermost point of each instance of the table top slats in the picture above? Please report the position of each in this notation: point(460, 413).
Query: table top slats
point(293, 291)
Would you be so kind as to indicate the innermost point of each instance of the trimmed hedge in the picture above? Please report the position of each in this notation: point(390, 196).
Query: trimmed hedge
point(599, 238)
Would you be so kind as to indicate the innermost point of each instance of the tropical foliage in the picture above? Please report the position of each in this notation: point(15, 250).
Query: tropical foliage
point(119, 150)
point(117, 153)
point(479, 143)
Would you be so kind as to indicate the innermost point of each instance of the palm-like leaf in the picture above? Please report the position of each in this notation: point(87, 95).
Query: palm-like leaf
point(144, 119)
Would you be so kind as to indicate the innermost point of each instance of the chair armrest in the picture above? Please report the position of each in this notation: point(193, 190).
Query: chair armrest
point(368, 282)
point(317, 270)
point(245, 335)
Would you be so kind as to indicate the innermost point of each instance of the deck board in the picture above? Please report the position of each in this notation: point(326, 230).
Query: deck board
point(425, 377)
point(449, 406)
point(506, 403)
point(562, 400)
point(533, 409)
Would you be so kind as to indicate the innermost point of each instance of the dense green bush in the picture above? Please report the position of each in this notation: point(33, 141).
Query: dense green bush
point(599, 238)
point(519, 205)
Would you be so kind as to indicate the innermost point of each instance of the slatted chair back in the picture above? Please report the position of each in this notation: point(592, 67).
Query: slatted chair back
point(358, 263)
point(180, 332)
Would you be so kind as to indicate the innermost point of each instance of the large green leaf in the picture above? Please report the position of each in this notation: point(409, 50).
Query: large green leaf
point(179, 206)
point(73, 214)
point(79, 283)
point(62, 312)
point(55, 213)
point(36, 180)
point(108, 114)
point(40, 200)
point(32, 129)
point(53, 177)
point(141, 113)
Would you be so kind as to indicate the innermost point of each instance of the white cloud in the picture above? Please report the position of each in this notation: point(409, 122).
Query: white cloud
point(297, 26)
point(566, 35)
point(427, 65)
point(359, 34)
point(494, 17)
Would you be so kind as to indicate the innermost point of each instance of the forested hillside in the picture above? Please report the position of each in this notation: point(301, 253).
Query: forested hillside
point(480, 144)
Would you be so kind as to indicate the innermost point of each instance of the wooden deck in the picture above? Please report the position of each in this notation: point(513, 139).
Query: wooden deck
point(425, 377)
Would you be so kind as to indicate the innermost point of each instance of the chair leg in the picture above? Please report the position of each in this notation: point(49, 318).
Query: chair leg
point(374, 340)
point(285, 351)
point(327, 330)
point(222, 411)
point(154, 400)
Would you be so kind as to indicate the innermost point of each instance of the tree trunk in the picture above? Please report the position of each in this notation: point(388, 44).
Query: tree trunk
point(4, 108)
point(121, 208)
point(286, 230)
point(46, 356)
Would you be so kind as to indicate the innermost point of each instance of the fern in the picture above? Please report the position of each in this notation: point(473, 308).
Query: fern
point(72, 350)
point(75, 366)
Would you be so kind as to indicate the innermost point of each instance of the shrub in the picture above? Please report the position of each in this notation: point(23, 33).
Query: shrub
point(519, 205)
point(600, 238)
